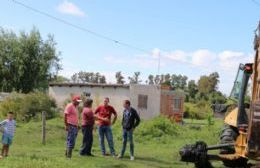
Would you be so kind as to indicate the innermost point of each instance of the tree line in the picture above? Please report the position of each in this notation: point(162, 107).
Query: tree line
point(206, 88)
point(28, 63)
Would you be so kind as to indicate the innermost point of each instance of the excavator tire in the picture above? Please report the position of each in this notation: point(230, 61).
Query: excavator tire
point(229, 135)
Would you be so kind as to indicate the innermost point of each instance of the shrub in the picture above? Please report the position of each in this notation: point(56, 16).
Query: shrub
point(201, 110)
point(156, 128)
point(28, 106)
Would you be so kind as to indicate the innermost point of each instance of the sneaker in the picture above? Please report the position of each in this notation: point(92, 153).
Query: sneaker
point(119, 157)
point(113, 155)
point(132, 158)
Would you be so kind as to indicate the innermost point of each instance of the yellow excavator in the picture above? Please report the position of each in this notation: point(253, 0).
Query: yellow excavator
point(240, 138)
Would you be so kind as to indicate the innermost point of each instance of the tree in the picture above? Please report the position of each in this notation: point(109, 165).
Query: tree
point(102, 79)
point(208, 84)
point(150, 79)
point(192, 88)
point(183, 82)
point(167, 78)
point(74, 78)
point(88, 77)
point(135, 78)
point(119, 78)
point(162, 78)
point(83, 76)
point(214, 80)
point(157, 80)
point(27, 62)
point(204, 85)
point(179, 81)
point(96, 77)
point(60, 79)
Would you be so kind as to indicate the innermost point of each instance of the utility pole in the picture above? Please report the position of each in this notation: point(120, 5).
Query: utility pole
point(159, 63)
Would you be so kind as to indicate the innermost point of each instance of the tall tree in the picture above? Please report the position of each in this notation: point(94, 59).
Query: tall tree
point(27, 62)
point(204, 85)
point(60, 79)
point(83, 77)
point(102, 79)
point(179, 81)
point(119, 78)
point(150, 79)
point(88, 77)
point(135, 79)
point(214, 80)
point(74, 78)
point(157, 80)
point(192, 88)
point(208, 84)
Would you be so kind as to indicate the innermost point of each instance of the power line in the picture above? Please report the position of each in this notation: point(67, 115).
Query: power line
point(99, 35)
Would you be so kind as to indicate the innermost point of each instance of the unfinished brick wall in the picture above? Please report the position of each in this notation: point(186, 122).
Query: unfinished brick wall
point(172, 104)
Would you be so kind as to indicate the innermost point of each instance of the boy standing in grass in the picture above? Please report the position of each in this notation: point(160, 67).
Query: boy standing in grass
point(130, 121)
point(8, 133)
point(71, 124)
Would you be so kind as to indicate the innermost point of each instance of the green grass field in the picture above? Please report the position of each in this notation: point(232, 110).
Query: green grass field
point(154, 148)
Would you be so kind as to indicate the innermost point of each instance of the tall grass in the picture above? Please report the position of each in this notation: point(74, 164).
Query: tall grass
point(157, 143)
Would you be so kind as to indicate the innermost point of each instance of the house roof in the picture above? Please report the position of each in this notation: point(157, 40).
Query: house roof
point(86, 85)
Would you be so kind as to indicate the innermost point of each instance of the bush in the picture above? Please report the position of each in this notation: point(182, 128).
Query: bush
point(201, 110)
point(28, 106)
point(156, 129)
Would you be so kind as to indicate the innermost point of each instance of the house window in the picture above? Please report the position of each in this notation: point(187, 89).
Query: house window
point(176, 104)
point(142, 101)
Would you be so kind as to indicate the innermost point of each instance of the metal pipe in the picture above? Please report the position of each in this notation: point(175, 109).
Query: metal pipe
point(219, 146)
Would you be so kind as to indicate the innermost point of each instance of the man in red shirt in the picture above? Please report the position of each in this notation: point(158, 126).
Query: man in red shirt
point(103, 114)
point(71, 124)
point(87, 128)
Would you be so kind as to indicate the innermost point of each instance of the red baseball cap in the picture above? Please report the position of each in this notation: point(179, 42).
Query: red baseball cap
point(76, 98)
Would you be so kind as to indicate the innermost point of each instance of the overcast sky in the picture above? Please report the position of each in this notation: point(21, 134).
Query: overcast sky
point(192, 37)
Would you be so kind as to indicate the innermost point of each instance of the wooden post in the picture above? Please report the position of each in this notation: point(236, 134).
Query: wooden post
point(43, 127)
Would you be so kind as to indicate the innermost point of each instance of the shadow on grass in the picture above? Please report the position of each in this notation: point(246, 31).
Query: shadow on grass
point(114, 166)
point(154, 161)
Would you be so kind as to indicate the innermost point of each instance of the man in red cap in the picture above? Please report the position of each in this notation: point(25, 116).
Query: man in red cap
point(71, 124)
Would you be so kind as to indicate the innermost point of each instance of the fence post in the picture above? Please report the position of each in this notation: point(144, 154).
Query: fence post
point(43, 127)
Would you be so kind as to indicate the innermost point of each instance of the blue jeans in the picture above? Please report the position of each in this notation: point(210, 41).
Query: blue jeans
point(71, 136)
point(106, 131)
point(127, 134)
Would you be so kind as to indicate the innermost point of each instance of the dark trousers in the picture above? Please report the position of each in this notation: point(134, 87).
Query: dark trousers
point(87, 141)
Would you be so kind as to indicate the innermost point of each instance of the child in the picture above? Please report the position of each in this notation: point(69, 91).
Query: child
point(8, 133)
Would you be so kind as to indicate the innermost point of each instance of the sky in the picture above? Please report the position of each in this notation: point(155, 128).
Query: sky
point(188, 37)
